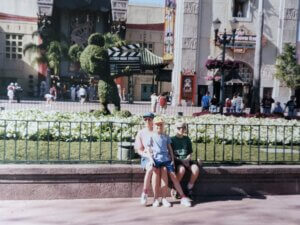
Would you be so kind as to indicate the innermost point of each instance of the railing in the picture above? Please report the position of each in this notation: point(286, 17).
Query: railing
point(101, 142)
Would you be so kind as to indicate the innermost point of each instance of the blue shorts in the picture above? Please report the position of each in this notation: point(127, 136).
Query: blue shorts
point(167, 164)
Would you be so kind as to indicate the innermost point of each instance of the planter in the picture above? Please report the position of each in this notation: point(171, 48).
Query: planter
point(126, 150)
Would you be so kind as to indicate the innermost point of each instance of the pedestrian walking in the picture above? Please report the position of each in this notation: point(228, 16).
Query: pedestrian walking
point(205, 102)
point(266, 103)
point(10, 92)
point(154, 99)
point(291, 106)
point(162, 99)
point(18, 92)
point(214, 105)
point(82, 94)
point(228, 105)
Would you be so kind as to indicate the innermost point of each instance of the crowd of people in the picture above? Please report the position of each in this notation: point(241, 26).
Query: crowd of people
point(81, 93)
point(162, 156)
point(236, 105)
point(14, 91)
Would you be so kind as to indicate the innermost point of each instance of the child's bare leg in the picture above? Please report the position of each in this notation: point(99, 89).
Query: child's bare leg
point(147, 180)
point(164, 182)
point(180, 173)
point(194, 175)
point(176, 184)
point(156, 183)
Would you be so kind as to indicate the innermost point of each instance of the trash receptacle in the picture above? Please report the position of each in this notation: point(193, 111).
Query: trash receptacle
point(126, 150)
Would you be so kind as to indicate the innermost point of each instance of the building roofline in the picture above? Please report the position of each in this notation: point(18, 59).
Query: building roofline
point(153, 26)
point(5, 16)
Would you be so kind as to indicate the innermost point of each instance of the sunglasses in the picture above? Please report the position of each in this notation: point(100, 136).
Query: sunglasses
point(184, 128)
point(148, 119)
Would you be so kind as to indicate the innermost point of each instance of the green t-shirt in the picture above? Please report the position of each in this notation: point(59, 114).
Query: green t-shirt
point(182, 147)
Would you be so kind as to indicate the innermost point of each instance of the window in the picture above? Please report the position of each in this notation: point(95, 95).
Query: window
point(149, 46)
point(13, 46)
point(240, 8)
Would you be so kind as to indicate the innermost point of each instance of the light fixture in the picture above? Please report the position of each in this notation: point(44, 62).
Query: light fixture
point(217, 24)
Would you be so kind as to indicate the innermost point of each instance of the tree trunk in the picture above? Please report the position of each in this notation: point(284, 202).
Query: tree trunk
point(255, 105)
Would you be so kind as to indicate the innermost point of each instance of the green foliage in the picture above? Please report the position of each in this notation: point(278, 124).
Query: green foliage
point(96, 39)
point(54, 56)
point(287, 68)
point(94, 60)
point(75, 52)
point(113, 40)
point(123, 113)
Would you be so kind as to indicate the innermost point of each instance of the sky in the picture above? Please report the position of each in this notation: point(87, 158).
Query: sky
point(147, 2)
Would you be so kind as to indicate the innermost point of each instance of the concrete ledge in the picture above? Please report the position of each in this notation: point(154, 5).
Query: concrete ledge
point(112, 181)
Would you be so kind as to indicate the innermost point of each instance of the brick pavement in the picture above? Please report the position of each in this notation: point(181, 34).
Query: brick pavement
point(272, 210)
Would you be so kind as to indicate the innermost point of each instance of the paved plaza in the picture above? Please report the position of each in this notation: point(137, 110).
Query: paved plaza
point(138, 108)
point(271, 210)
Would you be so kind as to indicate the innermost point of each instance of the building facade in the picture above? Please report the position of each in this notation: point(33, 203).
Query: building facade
point(18, 21)
point(194, 44)
point(145, 25)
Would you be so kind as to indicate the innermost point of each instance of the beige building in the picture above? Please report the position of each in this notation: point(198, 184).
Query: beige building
point(17, 23)
point(194, 44)
point(145, 25)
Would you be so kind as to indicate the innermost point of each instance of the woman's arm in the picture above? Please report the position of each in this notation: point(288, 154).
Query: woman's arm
point(171, 152)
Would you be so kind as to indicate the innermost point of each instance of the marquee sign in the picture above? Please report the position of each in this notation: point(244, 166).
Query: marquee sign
point(119, 10)
point(127, 56)
point(45, 7)
point(243, 41)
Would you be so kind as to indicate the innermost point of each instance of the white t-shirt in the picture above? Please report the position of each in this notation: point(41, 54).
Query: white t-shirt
point(153, 99)
point(142, 138)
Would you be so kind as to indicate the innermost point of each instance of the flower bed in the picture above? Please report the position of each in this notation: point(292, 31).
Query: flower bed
point(90, 127)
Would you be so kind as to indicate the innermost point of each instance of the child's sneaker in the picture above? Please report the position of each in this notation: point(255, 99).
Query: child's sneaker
point(156, 203)
point(165, 203)
point(144, 199)
point(186, 202)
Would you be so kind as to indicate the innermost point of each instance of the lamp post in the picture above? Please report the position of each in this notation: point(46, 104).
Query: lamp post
point(224, 40)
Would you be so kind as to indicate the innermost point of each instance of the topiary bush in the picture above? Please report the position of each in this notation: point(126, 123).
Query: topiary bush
point(96, 39)
point(94, 60)
point(75, 52)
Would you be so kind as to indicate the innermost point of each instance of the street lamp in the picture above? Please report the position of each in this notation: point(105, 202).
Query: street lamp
point(224, 40)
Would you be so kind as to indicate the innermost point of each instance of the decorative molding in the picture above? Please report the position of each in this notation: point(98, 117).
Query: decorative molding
point(189, 43)
point(190, 8)
point(268, 72)
point(290, 14)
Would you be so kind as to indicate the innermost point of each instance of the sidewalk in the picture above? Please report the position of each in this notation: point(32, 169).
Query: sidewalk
point(272, 210)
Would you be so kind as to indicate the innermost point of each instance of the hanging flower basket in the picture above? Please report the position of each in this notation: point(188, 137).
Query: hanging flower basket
point(213, 64)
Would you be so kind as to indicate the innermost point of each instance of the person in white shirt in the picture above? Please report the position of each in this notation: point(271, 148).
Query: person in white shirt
point(154, 99)
point(82, 94)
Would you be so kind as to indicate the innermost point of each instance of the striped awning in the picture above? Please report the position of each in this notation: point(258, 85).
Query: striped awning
point(149, 60)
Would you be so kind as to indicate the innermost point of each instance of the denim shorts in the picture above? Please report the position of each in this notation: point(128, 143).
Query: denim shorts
point(167, 164)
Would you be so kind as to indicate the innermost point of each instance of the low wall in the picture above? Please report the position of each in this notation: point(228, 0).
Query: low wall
point(110, 181)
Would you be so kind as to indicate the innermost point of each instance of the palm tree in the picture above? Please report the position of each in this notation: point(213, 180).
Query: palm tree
point(49, 52)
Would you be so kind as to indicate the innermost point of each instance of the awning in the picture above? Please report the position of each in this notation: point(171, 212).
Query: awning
point(234, 78)
point(92, 5)
point(150, 61)
point(164, 76)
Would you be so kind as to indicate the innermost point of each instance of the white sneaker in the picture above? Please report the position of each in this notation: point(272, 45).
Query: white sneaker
point(144, 199)
point(165, 203)
point(156, 203)
point(185, 202)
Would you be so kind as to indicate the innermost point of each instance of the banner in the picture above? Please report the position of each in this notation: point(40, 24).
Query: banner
point(119, 10)
point(170, 12)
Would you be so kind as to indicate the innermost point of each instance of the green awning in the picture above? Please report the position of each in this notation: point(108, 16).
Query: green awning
point(150, 61)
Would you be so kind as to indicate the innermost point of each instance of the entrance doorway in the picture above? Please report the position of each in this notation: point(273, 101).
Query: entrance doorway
point(146, 91)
